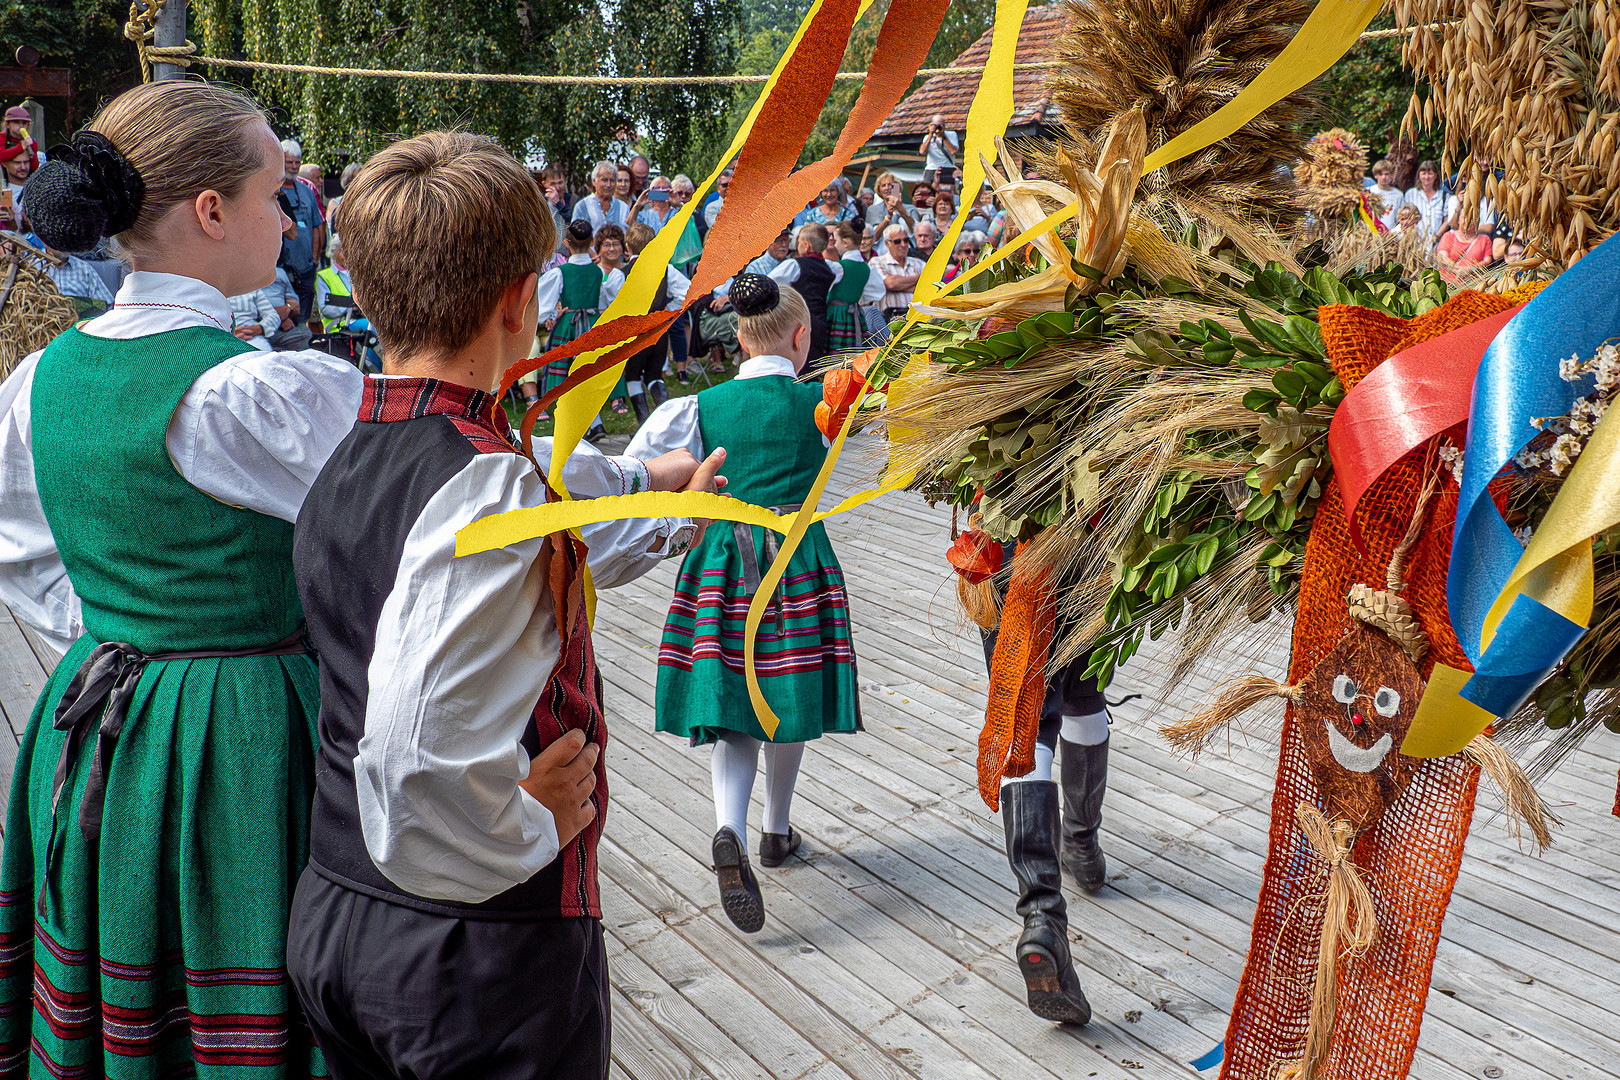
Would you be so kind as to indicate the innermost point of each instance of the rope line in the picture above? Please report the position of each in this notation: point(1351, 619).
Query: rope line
point(139, 29)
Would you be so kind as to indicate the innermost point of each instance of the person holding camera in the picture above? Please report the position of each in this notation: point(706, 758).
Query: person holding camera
point(654, 206)
point(939, 149)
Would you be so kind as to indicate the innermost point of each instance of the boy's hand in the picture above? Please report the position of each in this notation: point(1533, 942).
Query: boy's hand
point(671, 471)
point(562, 779)
point(707, 478)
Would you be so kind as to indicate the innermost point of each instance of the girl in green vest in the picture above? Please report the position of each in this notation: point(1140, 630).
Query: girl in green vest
point(846, 323)
point(159, 810)
point(765, 418)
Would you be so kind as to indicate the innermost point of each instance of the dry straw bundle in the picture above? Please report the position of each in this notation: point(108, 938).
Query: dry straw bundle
point(1532, 88)
point(1178, 62)
point(32, 312)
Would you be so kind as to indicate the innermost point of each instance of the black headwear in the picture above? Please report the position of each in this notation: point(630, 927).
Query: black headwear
point(579, 231)
point(754, 294)
point(85, 190)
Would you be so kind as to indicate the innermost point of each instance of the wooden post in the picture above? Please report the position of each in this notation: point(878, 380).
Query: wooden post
point(170, 31)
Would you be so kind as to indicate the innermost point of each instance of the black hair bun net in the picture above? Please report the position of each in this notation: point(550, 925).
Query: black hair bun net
point(85, 190)
point(754, 294)
point(579, 230)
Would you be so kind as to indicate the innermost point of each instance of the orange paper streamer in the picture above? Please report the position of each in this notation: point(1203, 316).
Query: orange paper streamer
point(1012, 718)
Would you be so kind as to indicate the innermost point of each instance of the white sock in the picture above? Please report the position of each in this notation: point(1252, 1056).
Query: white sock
point(781, 774)
point(1041, 771)
point(733, 765)
point(1088, 730)
point(633, 386)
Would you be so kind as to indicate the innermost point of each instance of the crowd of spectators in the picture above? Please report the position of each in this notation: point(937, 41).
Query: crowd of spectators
point(1459, 242)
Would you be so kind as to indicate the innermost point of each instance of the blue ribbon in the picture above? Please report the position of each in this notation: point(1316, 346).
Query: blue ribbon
point(1517, 380)
point(1211, 1057)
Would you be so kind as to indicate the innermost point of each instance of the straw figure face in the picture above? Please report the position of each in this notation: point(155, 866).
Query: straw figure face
point(1353, 711)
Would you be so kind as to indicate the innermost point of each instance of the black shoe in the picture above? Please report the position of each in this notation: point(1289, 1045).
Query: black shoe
point(775, 847)
point(657, 392)
point(1084, 770)
point(1050, 984)
point(638, 402)
point(596, 433)
point(685, 379)
point(1029, 813)
point(739, 890)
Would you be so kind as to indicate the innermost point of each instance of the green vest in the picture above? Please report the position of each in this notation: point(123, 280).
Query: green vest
point(581, 286)
point(768, 427)
point(848, 289)
point(156, 562)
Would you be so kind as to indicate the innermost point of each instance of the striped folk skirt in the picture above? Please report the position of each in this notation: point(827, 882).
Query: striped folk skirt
point(573, 324)
point(804, 656)
point(846, 327)
point(160, 950)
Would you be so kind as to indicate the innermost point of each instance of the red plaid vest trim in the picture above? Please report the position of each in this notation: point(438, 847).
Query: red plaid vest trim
point(572, 697)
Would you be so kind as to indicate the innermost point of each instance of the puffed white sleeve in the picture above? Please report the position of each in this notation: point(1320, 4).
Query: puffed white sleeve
point(679, 286)
point(786, 272)
point(464, 647)
point(549, 292)
point(611, 284)
point(257, 429)
point(619, 551)
point(33, 581)
point(873, 291)
point(672, 426)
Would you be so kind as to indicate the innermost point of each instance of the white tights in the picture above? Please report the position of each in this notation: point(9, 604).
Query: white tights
point(734, 764)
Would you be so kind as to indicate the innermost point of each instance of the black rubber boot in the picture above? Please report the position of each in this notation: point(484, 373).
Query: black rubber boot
point(739, 889)
point(638, 402)
point(1085, 778)
point(1029, 811)
point(657, 392)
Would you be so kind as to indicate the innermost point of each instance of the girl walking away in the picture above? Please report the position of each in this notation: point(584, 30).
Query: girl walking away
point(644, 372)
point(574, 294)
point(765, 419)
point(159, 814)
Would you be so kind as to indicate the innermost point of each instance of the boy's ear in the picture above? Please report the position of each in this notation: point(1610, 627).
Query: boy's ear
point(515, 304)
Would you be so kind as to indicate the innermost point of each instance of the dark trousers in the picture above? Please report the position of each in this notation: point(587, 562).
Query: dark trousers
point(303, 283)
point(391, 991)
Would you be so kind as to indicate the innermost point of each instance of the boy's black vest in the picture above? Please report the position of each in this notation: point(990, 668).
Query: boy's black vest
point(815, 279)
point(414, 436)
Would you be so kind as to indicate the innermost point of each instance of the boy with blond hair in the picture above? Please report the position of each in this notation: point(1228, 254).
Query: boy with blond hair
point(449, 921)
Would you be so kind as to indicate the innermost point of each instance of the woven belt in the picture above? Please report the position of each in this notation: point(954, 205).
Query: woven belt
point(750, 558)
point(106, 682)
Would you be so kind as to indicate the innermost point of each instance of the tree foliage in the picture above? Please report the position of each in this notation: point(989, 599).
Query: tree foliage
point(569, 125)
point(1366, 93)
point(770, 29)
point(85, 35)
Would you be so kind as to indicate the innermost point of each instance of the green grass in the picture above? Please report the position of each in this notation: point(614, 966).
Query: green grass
point(626, 425)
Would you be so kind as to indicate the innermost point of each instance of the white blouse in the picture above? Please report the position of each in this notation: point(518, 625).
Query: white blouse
point(549, 291)
point(253, 431)
point(674, 424)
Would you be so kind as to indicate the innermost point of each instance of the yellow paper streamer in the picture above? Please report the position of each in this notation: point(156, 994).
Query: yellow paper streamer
point(1329, 32)
point(987, 117)
point(1445, 721)
point(576, 409)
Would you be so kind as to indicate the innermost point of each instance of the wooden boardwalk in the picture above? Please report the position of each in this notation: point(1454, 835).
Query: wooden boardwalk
point(887, 949)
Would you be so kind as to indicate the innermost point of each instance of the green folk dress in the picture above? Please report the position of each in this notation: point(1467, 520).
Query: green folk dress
point(804, 655)
point(580, 295)
point(846, 326)
point(158, 949)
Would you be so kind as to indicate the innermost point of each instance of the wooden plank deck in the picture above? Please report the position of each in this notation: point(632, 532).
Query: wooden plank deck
point(886, 951)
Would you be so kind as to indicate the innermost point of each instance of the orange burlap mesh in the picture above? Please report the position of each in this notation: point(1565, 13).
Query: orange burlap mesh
point(1012, 717)
point(1409, 857)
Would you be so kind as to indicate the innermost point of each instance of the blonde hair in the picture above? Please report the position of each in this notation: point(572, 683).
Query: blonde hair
point(184, 138)
point(886, 177)
point(759, 332)
point(435, 229)
point(639, 236)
